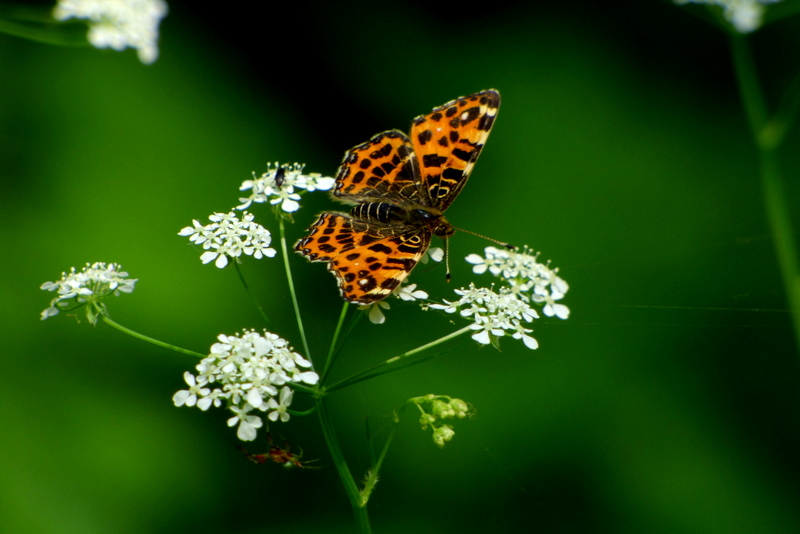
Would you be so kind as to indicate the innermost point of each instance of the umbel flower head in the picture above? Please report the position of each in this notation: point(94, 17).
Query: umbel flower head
point(493, 314)
point(501, 312)
point(531, 280)
point(118, 24)
point(247, 372)
point(228, 237)
point(277, 186)
point(88, 287)
point(744, 15)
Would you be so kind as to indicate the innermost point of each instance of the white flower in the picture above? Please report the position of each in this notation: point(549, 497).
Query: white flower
point(435, 254)
point(493, 315)
point(277, 186)
point(279, 409)
point(247, 372)
point(118, 24)
point(228, 237)
point(745, 15)
point(409, 293)
point(189, 397)
point(89, 286)
point(527, 278)
point(248, 424)
point(374, 311)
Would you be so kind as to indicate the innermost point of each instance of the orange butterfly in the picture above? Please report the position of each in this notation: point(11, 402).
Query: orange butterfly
point(400, 188)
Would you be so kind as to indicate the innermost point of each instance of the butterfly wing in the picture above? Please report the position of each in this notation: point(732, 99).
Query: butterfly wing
point(382, 169)
point(448, 141)
point(369, 260)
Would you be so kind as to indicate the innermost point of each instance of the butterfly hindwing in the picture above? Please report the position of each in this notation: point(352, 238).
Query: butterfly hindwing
point(369, 260)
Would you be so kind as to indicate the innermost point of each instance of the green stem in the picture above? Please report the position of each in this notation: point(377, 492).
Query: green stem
point(787, 110)
point(38, 24)
point(386, 367)
point(156, 342)
point(285, 253)
point(250, 294)
point(359, 506)
point(771, 176)
point(334, 342)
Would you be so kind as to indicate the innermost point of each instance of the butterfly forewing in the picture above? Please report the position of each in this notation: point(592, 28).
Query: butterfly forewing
point(383, 168)
point(448, 141)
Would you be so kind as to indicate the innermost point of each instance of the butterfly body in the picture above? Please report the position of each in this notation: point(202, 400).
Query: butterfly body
point(405, 215)
point(400, 186)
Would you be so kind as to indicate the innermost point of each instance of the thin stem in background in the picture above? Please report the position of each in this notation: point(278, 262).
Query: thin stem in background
point(771, 175)
point(295, 305)
point(37, 24)
point(251, 295)
point(785, 113)
point(392, 364)
point(156, 342)
point(334, 343)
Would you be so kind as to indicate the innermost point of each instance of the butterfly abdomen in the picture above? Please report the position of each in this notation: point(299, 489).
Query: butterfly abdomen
point(407, 216)
point(382, 212)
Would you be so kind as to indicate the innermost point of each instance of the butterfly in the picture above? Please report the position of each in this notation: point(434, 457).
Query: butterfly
point(400, 187)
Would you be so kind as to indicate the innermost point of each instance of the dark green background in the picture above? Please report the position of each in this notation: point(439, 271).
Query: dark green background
point(668, 402)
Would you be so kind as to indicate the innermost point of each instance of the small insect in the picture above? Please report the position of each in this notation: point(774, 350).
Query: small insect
point(280, 176)
point(283, 456)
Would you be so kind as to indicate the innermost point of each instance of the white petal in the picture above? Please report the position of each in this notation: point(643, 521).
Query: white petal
point(530, 342)
point(222, 261)
point(482, 337)
point(246, 432)
point(179, 399)
point(208, 257)
point(309, 377)
point(254, 398)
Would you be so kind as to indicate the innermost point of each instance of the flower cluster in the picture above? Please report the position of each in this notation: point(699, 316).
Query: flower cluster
point(493, 314)
point(531, 280)
point(118, 24)
point(277, 186)
point(745, 15)
point(248, 371)
point(89, 286)
point(436, 408)
point(227, 236)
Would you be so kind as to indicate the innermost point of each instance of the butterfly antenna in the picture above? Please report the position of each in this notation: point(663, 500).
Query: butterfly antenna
point(501, 243)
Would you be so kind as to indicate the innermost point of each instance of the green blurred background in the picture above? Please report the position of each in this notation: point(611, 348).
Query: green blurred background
point(668, 402)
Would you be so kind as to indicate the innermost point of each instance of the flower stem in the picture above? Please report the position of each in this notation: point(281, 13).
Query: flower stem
point(334, 342)
point(386, 367)
point(250, 294)
point(295, 305)
point(156, 342)
point(767, 141)
point(38, 24)
point(359, 506)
